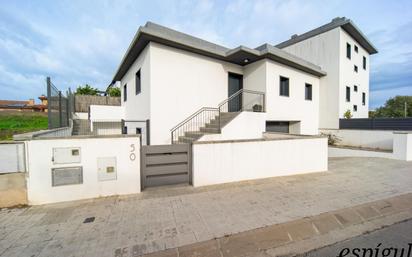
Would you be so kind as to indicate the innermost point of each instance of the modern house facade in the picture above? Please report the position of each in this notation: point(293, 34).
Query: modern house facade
point(191, 89)
point(341, 50)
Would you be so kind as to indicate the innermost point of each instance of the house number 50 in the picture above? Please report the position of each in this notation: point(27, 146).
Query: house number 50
point(132, 155)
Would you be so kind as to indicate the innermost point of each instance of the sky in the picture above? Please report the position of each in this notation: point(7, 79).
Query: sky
point(78, 42)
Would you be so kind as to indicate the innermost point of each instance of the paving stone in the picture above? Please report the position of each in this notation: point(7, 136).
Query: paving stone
point(300, 229)
point(347, 217)
point(384, 207)
point(165, 253)
point(367, 212)
point(204, 249)
point(238, 245)
point(270, 237)
point(325, 223)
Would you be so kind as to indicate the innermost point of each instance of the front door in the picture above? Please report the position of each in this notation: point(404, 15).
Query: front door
point(235, 84)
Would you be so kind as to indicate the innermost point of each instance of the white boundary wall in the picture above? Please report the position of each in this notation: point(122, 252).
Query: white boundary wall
point(246, 125)
point(402, 146)
point(231, 161)
point(126, 150)
point(347, 152)
point(379, 139)
point(12, 157)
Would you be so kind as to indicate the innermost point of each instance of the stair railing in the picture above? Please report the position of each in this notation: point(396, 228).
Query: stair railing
point(194, 122)
point(242, 100)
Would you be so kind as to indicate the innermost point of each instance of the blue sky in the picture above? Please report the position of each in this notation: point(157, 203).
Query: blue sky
point(78, 42)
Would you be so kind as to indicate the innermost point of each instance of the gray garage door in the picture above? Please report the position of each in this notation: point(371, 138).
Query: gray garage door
point(166, 165)
point(277, 126)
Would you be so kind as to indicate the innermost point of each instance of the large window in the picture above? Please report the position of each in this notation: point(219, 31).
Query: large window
point(364, 98)
point(348, 50)
point(308, 91)
point(284, 86)
point(138, 83)
point(125, 93)
point(364, 63)
point(347, 94)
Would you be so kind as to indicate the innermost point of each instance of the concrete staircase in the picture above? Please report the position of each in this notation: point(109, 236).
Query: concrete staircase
point(212, 127)
point(81, 127)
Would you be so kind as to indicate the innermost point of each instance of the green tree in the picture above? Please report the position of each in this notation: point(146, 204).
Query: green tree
point(395, 107)
point(86, 90)
point(347, 114)
point(113, 91)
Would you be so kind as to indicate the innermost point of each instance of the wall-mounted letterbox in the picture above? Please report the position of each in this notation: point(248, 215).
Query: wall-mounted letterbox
point(67, 176)
point(106, 168)
point(65, 155)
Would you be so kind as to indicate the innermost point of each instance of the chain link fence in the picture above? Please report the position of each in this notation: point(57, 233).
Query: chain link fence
point(59, 107)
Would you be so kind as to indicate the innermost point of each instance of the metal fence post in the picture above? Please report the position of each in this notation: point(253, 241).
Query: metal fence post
point(60, 109)
point(48, 102)
point(148, 132)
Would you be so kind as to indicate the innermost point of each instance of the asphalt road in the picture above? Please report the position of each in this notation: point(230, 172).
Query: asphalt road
point(376, 243)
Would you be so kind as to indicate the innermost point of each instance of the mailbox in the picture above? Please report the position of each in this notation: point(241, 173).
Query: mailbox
point(65, 155)
point(106, 168)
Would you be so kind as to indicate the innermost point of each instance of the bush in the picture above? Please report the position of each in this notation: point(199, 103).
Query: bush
point(347, 114)
point(332, 139)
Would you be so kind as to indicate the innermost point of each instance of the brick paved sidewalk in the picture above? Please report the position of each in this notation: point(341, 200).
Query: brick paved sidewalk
point(165, 218)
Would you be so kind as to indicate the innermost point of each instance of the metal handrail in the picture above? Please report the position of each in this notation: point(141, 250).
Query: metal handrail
point(203, 111)
point(192, 116)
point(238, 93)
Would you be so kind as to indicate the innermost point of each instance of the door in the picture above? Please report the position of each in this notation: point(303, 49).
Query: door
point(277, 126)
point(235, 84)
point(165, 165)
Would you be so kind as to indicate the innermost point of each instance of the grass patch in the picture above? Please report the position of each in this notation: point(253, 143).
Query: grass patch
point(12, 123)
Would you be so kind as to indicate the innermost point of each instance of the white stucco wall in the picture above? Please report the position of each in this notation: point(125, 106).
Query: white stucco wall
point(295, 107)
point(324, 50)
point(137, 107)
point(106, 113)
point(350, 78)
point(402, 146)
point(39, 165)
point(246, 125)
point(224, 162)
point(182, 83)
point(81, 115)
point(380, 139)
point(345, 152)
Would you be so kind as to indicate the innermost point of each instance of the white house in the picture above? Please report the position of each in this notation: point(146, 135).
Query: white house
point(191, 89)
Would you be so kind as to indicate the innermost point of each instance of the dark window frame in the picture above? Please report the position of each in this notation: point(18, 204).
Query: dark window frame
point(348, 51)
point(138, 131)
point(308, 94)
point(355, 88)
point(364, 62)
point(284, 91)
point(355, 68)
point(347, 95)
point(355, 108)
point(363, 98)
point(124, 92)
point(355, 47)
point(138, 82)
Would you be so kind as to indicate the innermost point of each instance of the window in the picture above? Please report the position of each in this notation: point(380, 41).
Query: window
point(356, 48)
point(347, 94)
point(125, 93)
point(355, 88)
point(284, 86)
point(363, 98)
point(348, 51)
point(355, 108)
point(355, 68)
point(138, 131)
point(364, 63)
point(138, 83)
point(308, 91)
point(124, 130)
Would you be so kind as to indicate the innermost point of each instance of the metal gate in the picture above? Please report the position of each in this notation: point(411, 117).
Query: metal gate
point(166, 165)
